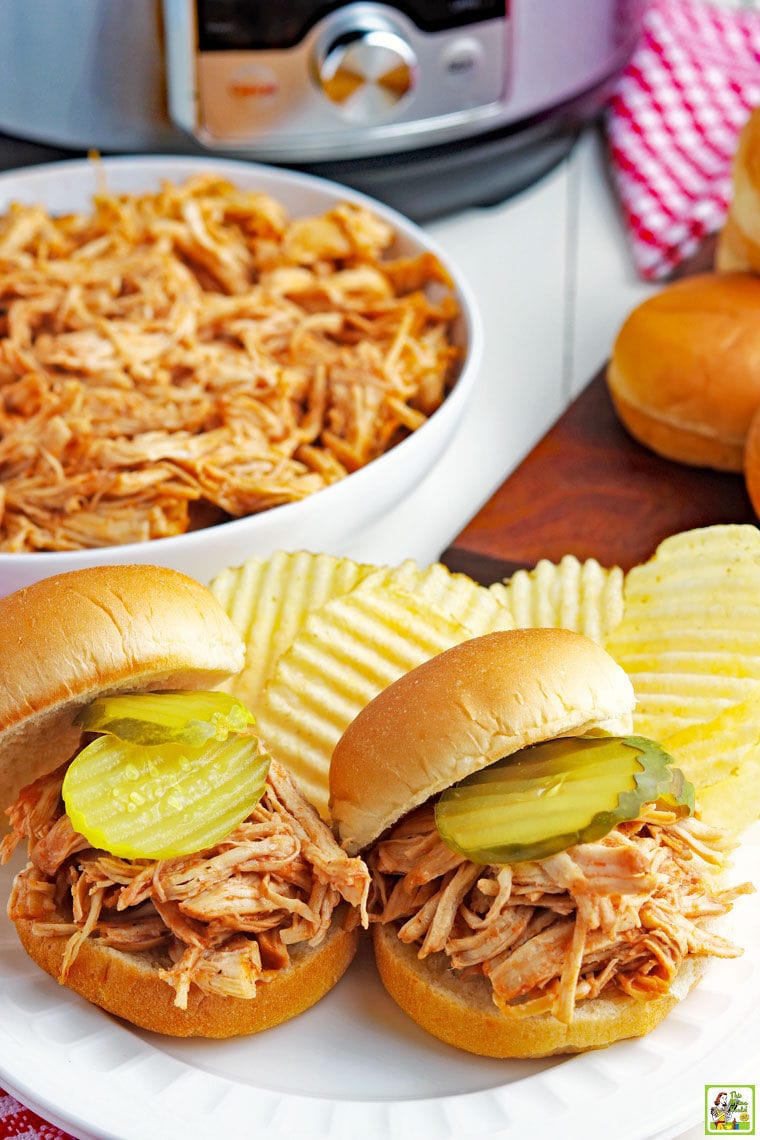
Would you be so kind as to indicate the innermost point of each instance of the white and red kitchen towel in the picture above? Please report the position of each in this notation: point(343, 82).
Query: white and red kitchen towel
point(673, 122)
point(19, 1123)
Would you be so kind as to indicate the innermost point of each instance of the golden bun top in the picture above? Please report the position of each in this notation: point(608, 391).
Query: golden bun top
point(463, 710)
point(738, 245)
point(69, 638)
point(684, 374)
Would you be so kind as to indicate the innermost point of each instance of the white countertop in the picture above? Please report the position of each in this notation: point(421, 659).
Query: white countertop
point(551, 272)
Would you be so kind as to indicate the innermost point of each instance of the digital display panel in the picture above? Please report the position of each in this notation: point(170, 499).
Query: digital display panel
point(248, 25)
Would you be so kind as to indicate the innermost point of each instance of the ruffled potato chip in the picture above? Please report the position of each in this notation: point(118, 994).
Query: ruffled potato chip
point(345, 654)
point(455, 594)
point(326, 634)
point(689, 637)
point(722, 760)
point(269, 600)
point(582, 596)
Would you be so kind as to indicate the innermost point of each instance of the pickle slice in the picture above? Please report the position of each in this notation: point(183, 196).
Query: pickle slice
point(159, 801)
point(159, 718)
point(553, 795)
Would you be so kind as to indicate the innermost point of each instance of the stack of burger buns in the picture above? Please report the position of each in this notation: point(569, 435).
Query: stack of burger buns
point(684, 373)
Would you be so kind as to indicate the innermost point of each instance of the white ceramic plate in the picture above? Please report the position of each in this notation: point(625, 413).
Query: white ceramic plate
point(354, 1066)
point(327, 519)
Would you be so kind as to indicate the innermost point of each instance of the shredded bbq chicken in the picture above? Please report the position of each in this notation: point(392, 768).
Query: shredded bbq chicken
point(223, 919)
point(620, 914)
point(172, 359)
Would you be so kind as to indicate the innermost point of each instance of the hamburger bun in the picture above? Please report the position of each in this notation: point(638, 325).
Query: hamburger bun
point(738, 247)
point(454, 715)
point(460, 1010)
point(130, 987)
point(72, 637)
point(64, 641)
point(463, 710)
point(684, 374)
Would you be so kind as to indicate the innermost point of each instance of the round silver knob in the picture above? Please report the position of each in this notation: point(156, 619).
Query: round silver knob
point(367, 72)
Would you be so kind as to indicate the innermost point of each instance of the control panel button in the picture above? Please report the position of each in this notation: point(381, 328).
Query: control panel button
point(367, 73)
point(463, 60)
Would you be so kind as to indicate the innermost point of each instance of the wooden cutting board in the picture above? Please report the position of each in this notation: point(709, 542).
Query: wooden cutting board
point(589, 489)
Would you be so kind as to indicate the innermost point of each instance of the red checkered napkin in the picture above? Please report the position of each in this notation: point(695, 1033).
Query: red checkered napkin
point(19, 1122)
point(673, 122)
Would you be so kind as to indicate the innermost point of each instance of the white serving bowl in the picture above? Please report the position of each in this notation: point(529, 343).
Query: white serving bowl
point(324, 520)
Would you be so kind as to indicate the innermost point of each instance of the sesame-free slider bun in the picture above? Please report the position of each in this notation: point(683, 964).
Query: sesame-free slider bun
point(684, 373)
point(67, 639)
point(460, 1010)
point(738, 246)
point(64, 641)
point(129, 984)
point(462, 973)
point(463, 710)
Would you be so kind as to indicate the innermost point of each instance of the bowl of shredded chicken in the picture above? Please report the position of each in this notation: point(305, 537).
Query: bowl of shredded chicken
point(214, 358)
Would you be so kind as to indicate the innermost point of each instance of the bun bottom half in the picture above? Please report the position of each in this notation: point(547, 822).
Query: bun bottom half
point(460, 1011)
point(683, 373)
point(128, 985)
point(696, 445)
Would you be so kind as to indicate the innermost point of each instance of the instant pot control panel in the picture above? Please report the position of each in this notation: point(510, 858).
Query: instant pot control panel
point(314, 78)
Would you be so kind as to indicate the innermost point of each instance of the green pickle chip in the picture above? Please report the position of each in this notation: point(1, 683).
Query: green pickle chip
point(141, 799)
point(550, 796)
point(161, 718)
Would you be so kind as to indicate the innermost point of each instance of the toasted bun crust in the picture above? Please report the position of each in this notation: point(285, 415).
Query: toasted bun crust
point(68, 638)
point(128, 985)
point(739, 241)
point(460, 1010)
point(465, 709)
point(684, 375)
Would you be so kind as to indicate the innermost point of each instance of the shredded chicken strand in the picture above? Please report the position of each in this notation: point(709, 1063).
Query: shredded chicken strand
point(222, 919)
point(172, 359)
point(618, 914)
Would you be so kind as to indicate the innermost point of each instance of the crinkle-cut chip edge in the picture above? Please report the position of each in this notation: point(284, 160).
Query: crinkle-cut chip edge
point(719, 664)
point(269, 599)
point(347, 652)
point(745, 536)
point(572, 594)
point(721, 757)
point(454, 593)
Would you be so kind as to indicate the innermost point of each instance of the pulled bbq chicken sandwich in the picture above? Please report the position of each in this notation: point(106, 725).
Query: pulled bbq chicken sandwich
point(176, 875)
point(541, 882)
